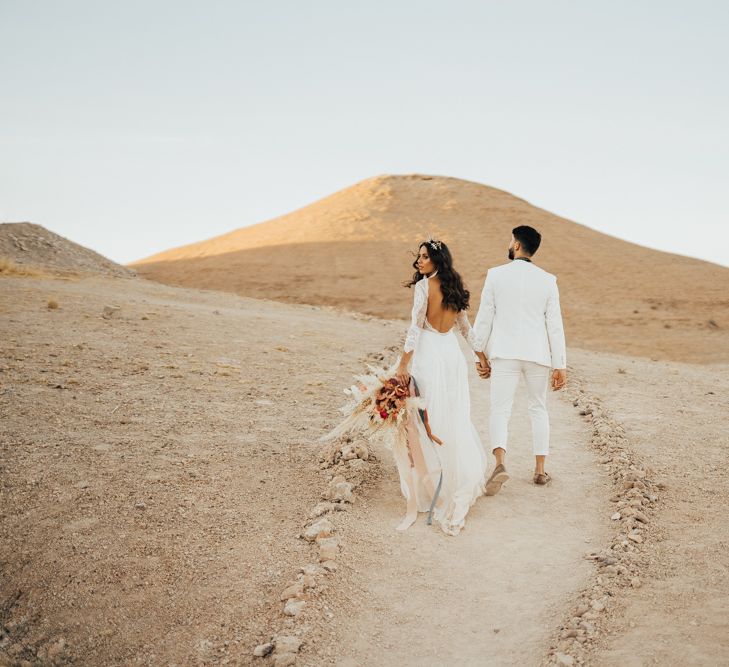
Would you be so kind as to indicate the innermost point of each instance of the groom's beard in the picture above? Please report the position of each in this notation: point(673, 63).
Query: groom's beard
point(511, 253)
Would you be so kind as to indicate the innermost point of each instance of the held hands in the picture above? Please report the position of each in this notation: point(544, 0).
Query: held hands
point(559, 378)
point(483, 367)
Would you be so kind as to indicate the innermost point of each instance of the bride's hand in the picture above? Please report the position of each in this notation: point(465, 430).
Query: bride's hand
point(402, 375)
point(483, 368)
point(435, 438)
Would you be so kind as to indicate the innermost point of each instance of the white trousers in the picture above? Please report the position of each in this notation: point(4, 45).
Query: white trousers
point(505, 374)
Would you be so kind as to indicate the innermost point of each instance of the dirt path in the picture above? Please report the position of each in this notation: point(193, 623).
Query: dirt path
point(494, 594)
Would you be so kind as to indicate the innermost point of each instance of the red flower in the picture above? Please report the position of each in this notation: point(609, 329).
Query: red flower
point(383, 414)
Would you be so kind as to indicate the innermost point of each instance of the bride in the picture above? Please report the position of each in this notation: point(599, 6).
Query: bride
point(440, 373)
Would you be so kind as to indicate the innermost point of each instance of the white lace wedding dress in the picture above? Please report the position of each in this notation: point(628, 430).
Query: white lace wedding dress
point(440, 371)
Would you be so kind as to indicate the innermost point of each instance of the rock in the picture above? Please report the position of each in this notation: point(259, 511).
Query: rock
point(312, 569)
point(322, 528)
point(83, 484)
point(635, 537)
point(641, 517)
point(110, 311)
point(616, 516)
point(293, 591)
point(339, 491)
point(348, 452)
point(263, 650)
point(284, 660)
point(329, 565)
point(635, 582)
point(567, 634)
point(287, 644)
point(55, 649)
point(321, 508)
point(324, 508)
point(308, 581)
point(564, 660)
point(597, 605)
point(328, 549)
point(581, 609)
point(293, 607)
point(140, 505)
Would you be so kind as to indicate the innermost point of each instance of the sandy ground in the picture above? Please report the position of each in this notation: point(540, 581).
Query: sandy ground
point(158, 466)
point(677, 417)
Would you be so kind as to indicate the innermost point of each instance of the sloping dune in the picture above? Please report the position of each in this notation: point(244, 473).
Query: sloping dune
point(353, 249)
point(25, 247)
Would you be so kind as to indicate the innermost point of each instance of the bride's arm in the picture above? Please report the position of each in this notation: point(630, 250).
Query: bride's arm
point(417, 321)
point(464, 326)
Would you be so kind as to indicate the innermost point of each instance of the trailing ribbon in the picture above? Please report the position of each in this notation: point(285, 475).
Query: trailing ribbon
point(424, 418)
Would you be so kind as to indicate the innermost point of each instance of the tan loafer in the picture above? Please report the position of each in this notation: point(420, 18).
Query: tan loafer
point(542, 478)
point(498, 477)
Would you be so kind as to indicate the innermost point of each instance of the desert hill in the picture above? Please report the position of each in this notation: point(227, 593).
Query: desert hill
point(354, 248)
point(32, 246)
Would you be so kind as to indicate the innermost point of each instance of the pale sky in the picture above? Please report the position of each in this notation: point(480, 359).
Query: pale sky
point(132, 127)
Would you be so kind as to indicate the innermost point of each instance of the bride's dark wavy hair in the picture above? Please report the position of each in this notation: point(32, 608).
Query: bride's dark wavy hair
point(455, 295)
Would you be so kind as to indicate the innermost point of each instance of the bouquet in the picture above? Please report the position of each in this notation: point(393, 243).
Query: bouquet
point(379, 408)
point(384, 409)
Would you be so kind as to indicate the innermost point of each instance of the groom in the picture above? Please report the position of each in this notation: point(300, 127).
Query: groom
point(519, 327)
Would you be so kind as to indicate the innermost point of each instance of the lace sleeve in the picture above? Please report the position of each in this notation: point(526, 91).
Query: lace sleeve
point(420, 308)
point(464, 326)
point(485, 318)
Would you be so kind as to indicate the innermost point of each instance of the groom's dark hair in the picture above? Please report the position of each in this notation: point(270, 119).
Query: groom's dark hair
point(529, 238)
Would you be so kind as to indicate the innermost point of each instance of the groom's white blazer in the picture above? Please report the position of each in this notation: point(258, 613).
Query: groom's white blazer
point(519, 316)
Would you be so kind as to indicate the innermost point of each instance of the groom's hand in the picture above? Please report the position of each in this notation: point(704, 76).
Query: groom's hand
point(483, 368)
point(559, 378)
